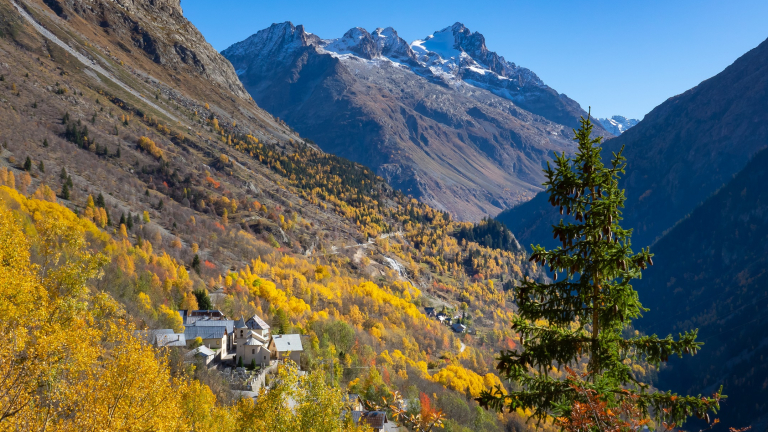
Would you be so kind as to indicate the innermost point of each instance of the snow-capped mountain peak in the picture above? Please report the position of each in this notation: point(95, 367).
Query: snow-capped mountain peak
point(381, 43)
point(456, 50)
point(454, 57)
point(617, 124)
point(393, 46)
point(355, 41)
point(278, 40)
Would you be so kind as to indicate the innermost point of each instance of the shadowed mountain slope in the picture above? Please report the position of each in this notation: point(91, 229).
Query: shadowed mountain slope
point(679, 154)
point(710, 274)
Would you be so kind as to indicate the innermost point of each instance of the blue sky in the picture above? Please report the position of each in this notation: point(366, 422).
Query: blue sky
point(620, 57)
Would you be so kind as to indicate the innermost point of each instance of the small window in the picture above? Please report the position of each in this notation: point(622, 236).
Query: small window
point(254, 351)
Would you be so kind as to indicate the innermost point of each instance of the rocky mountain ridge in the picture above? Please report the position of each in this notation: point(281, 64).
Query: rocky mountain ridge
point(617, 124)
point(443, 119)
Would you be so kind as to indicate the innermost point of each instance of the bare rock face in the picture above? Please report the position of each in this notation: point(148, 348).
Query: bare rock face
point(417, 116)
point(159, 30)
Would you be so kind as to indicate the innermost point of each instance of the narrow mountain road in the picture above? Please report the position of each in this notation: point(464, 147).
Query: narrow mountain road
point(86, 61)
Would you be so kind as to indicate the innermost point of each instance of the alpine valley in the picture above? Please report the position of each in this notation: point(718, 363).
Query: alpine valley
point(307, 234)
point(138, 178)
point(443, 118)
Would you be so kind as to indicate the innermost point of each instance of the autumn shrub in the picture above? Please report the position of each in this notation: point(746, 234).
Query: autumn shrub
point(150, 147)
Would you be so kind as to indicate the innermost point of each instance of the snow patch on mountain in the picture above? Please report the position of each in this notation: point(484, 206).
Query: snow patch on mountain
point(617, 124)
point(452, 55)
point(441, 43)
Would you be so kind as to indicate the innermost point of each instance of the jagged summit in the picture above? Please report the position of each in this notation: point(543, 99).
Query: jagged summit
point(393, 46)
point(442, 118)
point(456, 53)
point(453, 54)
point(356, 41)
point(617, 124)
point(279, 39)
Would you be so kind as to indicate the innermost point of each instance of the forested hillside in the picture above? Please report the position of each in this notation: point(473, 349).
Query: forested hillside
point(710, 274)
point(122, 123)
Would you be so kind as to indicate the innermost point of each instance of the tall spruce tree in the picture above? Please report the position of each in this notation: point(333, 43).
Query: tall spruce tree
point(582, 318)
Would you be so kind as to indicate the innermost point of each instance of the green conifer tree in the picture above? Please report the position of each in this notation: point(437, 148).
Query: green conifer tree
point(196, 264)
point(582, 317)
point(281, 324)
point(63, 175)
point(65, 191)
point(41, 167)
point(100, 201)
point(203, 300)
point(28, 164)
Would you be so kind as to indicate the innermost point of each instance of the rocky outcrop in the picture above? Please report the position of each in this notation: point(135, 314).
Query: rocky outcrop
point(158, 29)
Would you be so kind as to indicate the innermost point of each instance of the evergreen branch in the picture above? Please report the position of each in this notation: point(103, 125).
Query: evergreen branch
point(655, 350)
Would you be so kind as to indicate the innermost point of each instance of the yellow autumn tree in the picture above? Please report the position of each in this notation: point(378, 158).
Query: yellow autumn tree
point(150, 147)
point(71, 361)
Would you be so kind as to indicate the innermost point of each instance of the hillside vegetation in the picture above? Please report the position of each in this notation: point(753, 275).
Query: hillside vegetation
point(180, 185)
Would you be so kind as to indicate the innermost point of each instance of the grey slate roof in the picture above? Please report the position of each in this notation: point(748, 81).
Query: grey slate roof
point(229, 324)
point(171, 340)
point(256, 323)
point(290, 342)
point(374, 419)
point(240, 323)
point(252, 341)
point(205, 332)
point(201, 351)
point(459, 328)
point(212, 313)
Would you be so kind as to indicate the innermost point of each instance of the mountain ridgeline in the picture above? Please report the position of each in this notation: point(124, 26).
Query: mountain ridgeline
point(678, 155)
point(444, 118)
